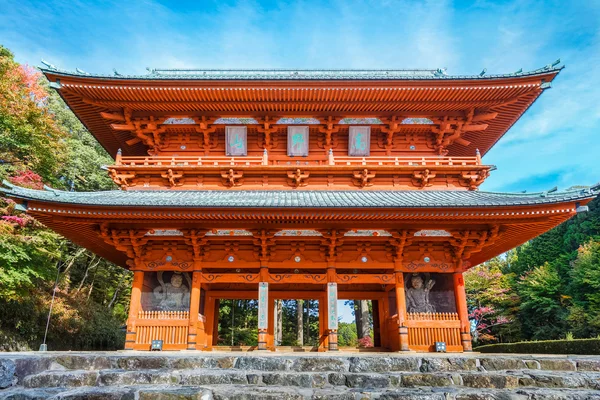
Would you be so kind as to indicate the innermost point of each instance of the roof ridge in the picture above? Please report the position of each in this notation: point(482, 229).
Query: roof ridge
point(299, 74)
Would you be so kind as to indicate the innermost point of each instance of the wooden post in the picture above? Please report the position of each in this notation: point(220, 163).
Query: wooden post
point(265, 318)
point(401, 309)
point(376, 323)
point(215, 336)
point(192, 341)
point(134, 308)
point(463, 313)
point(384, 314)
point(210, 322)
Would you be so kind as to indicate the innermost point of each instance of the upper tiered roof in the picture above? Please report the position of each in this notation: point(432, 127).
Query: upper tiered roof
point(301, 93)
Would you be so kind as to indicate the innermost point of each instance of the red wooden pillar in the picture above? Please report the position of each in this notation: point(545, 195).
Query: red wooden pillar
point(401, 309)
point(193, 339)
point(134, 308)
point(270, 333)
point(463, 313)
point(384, 315)
point(209, 325)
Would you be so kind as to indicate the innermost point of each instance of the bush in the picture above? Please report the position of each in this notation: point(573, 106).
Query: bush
point(573, 346)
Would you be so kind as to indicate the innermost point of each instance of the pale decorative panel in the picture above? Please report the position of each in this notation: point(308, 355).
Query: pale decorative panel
point(359, 143)
point(297, 141)
point(332, 303)
point(236, 143)
point(263, 305)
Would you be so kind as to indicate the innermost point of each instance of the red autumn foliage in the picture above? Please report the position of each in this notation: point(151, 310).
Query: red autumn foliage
point(28, 179)
point(365, 342)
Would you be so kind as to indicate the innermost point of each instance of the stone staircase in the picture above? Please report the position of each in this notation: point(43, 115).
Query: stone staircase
point(191, 375)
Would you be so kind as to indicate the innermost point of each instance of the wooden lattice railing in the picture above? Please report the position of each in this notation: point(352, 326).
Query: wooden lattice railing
point(169, 326)
point(432, 316)
point(223, 161)
point(164, 315)
point(424, 329)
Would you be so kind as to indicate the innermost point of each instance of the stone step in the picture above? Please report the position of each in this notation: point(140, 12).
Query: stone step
point(370, 380)
point(35, 362)
point(241, 392)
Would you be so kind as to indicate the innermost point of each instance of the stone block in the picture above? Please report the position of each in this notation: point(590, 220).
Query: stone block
point(425, 379)
point(144, 377)
point(411, 395)
point(367, 381)
point(490, 381)
point(556, 364)
point(287, 379)
point(383, 364)
point(334, 394)
point(212, 377)
point(320, 364)
point(8, 373)
point(61, 379)
point(501, 363)
point(588, 365)
point(175, 394)
point(435, 364)
point(142, 362)
point(259, 393)
point(337, 379)
point(554, 380)
point(263, 363)
point(75, 361)
point(95, 393)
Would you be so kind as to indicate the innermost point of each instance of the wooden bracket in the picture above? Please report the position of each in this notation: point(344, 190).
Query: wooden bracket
point(423, 178)
point(329, 128)
point(122, 178)
point(268, 127)
point(174, 178)
point(232, 178)
point(297, 178)
point(392, 125)
point(363, 178)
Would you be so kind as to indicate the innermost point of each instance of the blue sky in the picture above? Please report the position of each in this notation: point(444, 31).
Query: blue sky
point(554, 144)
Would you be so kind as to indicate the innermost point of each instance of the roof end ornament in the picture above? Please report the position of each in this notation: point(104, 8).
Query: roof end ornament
point(48, 65)
point(482, 73)
point(554, 64)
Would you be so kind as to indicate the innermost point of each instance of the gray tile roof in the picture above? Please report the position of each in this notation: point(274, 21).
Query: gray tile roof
point(296, 198)
point(298, 74)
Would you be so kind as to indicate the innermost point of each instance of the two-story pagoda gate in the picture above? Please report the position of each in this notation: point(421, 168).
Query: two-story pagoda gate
point(323, 185)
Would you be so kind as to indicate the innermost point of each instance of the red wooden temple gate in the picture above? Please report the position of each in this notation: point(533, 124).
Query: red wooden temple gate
point(319, 185)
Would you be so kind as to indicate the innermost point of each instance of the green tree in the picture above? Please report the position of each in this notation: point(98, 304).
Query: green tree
point(585, 312)
point(543, 310)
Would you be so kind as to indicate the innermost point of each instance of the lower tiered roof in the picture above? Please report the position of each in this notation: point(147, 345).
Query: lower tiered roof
point(297, 199)
point(501, 221)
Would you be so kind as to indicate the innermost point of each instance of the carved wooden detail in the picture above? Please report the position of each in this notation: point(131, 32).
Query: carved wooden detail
point(298, 178)
point(232, 178)
point(391, 126)
point(363, 178)
point(448, 130)
point(423, 178)
point(473, 179)
point(205, 128)
point(268, 127)
point(173, 178)
point(330, 126)
point(123, 179)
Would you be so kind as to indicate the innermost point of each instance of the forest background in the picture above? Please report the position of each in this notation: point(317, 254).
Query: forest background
point(548, 288)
